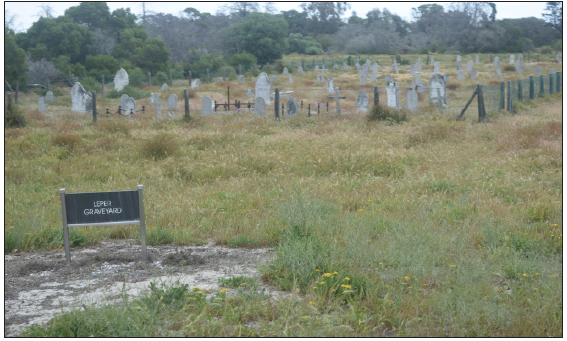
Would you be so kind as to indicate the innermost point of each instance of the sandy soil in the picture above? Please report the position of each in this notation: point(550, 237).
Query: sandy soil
point(39, 285)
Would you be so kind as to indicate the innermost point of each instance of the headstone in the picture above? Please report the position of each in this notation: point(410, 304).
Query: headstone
point(80, 99)
point(153, 98)
point(375, 67)
point(260, 106)
point(273, 79)
point(362, 102)
point(460, 75)
point(219, 79)
point(473, 74)
point(519, 67)
point(470, 65)
point(123, 99)
point(388, 78)
point(320, 78)
point(345, 67)
point(250, 93)
point(421, 87)
point(496, 62)
point(285, 71)
point(391, 92)
point(372, 77)
point(300, 70)
point(335, 66)
point(164, 87)
point(499, 73)
point(316, 67)
point(459, 63)
point(291, 107)
point(357, 66)
point(41, 104)
point(521, 58)
point(412, 100)
point(476, 60)
point(158, 105)
point(412, 69)
point(49, 97)
point(538, 70)
point(129, 106)
point(362, 77)
point(263, 87)
point(552, 71)
point(418, 66)
point(395, 68)
point(120, 80)
point(206, 106)
point(330, 85)
point(437, 82)
point(436, 67)
point(195, 83)
point(558, 57)
point(512, 60)
point(172, 102)
point(446, 78)
point(240, 79)
point(290, 79)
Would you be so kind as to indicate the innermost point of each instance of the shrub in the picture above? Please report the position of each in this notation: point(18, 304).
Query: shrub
point(66, 140)
point(252, 72)
point(312, 50)
point(90, 84)
point(138, 80)
point(509, 68)
point(422, 51)
point(160, 78)
point(13, 116)
point(243, 58)
point(453, 86)
point(160, 146)
point(545, 50)
point(381, 113)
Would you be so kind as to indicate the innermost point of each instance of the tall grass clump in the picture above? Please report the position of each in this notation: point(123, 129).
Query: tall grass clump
point(14, 116)
point(160, 146)
point(384, 114)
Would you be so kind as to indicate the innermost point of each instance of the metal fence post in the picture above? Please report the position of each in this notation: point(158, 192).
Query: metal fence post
point(376, 96)
point(481, 112)
point(190, 76)
point(142, 222)
point(149, 79)
point(502, 97)
point(550, 84)
point(48, 87)
point(509, 93)
point(187, 116)
point(94, 105)
point(223, 73)
point(532, 88)
point(541, 87)
point(520, 91)
point(558, 82)
point(65, 227)
point(277, 104)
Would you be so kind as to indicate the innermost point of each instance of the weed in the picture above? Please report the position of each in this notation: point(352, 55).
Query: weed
point(239, 282)
point(14, 116)
point(66, 140)
point(384, 114)
point(160, 146)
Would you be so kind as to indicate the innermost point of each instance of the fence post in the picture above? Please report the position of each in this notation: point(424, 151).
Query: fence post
point(48, 87)
point(170, 78)
point(190, 80)
point(376, 96)
point(303, 64)
point(490, 57)
point(277, 104)
point(541, 88)
point(150, 79)
point(427, 58)
point(313, 67)
point(18, 90)
point(509, 93)
point(208, 80)
point(532, 88)
point(102, 90)
point(502, 97)
point(558, 82)
point(228, 97)
point(481, 112)
point(187, 116)
point(550, 84)
point(223, 73)
point(239, 69)
point(94, 105)
point(520, 91)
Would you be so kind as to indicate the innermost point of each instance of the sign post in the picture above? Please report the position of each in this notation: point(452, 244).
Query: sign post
point(103, 209)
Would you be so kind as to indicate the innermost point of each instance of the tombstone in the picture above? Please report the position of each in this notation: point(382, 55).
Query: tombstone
point(336, 67)
point(412, 100)
point(285, 71)
point(432, 60)
point(538, 70)
point(420, 86)
point(320, 78)
point(496, 62)
point(419, 59)
point(366, 68)
point(120, 80)
point(357, 66)
point(273, 79)
point(219, 79)
point(388, 78)
point(153, 98)
point(195, 83)
point(49, 97)
point(290, 79)
point(330, 85)
point(300, 70)
point(373, 77)
point(172, 102)
point(460, 75)
point(362, 77)
point(316, 67)
point(395, 68)
point(552, 71)
point(436, 67)
point(206, 106)
point(250, 93)
point(512, 61)
point(391, 92)
point(521, 58)
point(41, 104)
point(164, 87)
point(418, 66)
point(446, 78)
point(437, 82)
point(345, 67)
point(260, 106)
point(476, 60)
point(240, 79)
point(470, 65)
point(263, 87)
point(362, 102)
point(123, 100)
point(459, 63)
point(129, 106)
point(558, 57)
point(79, 98)
point(412, 70)
point(474, 74)
point(499, 73)
point(375, 67)
point(519, 67)
point(291, 107)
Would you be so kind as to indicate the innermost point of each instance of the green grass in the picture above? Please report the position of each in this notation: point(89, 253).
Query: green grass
point(442, 228)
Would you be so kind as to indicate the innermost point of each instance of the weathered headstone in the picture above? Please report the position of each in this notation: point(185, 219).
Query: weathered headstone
point(316, 67)
point(459, 63)
point(538, 70)
point(285, 71)
point(552, 71)
point(273, 79)
point(432, 60)
point(357, 66)
point(164, 87)
point(499, 73)
point(392, 95)
point(41, 104)
point(250, 93)
point(375, 67)
point(519, 67)
point(290, 79)
point(300, 70)
point(320, 78)
point(291, 107)
point(521, 58)
point(412, 100)
point(474, 74)
point(412, 70)
point(419, 66)
point(206, 106)
point(240, 79)
point(129, 106)
point(219, 79)
point(362, 77)
point(195, 83)
point(512, 59)
point(335, 67)
point(120, 80)
point(446, 77)
point(158, 105)
point(421, 87)
point(263, 87)
point(362, 102)
point(388, 78)
point(436, 67)
point(80, 99)
point(395, 68)
point(172, 102)
point(330, 85)
point(372, 77)
point(476, 59)
point(260, 106)
point(123, 99)
point(437, 82)
point(345, 67)
point(460, 75)
point(49, 97)
point(470, 65)
point(496, 62)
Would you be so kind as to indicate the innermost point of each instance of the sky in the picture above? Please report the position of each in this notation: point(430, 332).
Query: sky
point(27, 12)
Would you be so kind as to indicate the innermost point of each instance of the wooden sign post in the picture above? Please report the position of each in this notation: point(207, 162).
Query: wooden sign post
point(103, 209)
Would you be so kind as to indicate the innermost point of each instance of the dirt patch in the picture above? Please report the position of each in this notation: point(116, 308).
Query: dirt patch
point(39, 286)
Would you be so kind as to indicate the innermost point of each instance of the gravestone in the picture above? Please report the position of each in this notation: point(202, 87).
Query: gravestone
point(558, 57)
point(345, 67)
point(437, 82)
point(421, 87)
point(436, 67)
point(412, 100)
point(519, 67)
point(330, 85)
point(412, 70)
point(123, 100)
point(538, 70)
point(80, 99)
point(470, 65)
point(260, 106)
point(49, 97)
point(474, 74)
point(362, 77)
point(320, 78)
point(418, 66)
point(459, 63)
point(285, 71)
point(250, 93)
point(219, 79)
point(206, 106)
point(263, 87)
point(335, 66)
point(388, 78)
point(362, 102)
point(290, 79)
point(300, 70)
point(41, 104)
point(158, 105)
point(195, 83)
point(476, 59)
point(129, 106)
point(372, 77)
point(499, 73)
point(357, 66)
point(496, 62)
point(291, 107)
point(273, 79)
point(460, 76)
point(375, 67)
point(164, 87)
point(172, 102)
point(521, 58)
point(552, 71)
point(120, 80)
point(446, 78)
point(395, 68)
point(512, 59)
point(316, 67)
point(432, 60)
point(153, 98)
point(366, 68)
point(240, 79)
point(392, 95)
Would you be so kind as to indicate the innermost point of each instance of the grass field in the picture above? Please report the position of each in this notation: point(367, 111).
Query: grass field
point(430, 227)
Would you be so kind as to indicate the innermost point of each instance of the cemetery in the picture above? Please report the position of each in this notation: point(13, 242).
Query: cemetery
point(321, 193)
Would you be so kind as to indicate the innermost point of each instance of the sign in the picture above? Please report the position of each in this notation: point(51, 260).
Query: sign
point(100, 209)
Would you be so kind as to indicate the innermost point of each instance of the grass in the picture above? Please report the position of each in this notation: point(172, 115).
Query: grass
point(442, 228)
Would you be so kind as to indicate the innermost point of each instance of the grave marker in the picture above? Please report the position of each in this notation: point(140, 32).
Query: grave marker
point(291, 107)
point(158, 105)
point(300, 70)
point(41, 104)
point(250, 93)
point(120, 80)
point(240, 79)
point(206, 106)
point(330, 86)
point(49, 97)
point(263, 87)
point(164, 87)
point(412, 100)
point(80, 99)
point(129, 106)
point(362, 102)
point(195, 83)
point(260, 106)
point(337, 99)
point(285, 71)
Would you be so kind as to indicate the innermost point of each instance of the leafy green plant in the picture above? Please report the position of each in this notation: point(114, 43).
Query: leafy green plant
point(239, 282)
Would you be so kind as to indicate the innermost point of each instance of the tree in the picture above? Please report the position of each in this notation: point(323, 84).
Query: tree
point(297, 22)
point(101, 65)
point(326, 16)
point(14, 59)
point(242, 59)
point(241, 9)
point(46, 11)
point(300, 44)
point(90, 14)
point(41, 70)
point(130, 39)
point(152, 56)
point(265, 35)
point(554, 16)
point(354, 19)
point(270, 7)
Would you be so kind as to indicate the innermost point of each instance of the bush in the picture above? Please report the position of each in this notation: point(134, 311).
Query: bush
point(160, 78)
point(252, 72)
point(422, 51)
point(545, 50)
point(312, 50)
point(405, 62)
point(138, 80)
point(13, 116)
point(243, 58)
point(160, 146)
point(381, 113)
point(90, 84)
point(509, 68)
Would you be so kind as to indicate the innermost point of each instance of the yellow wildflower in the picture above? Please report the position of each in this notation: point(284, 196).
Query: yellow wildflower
point(406, 278)
point(347, 279)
